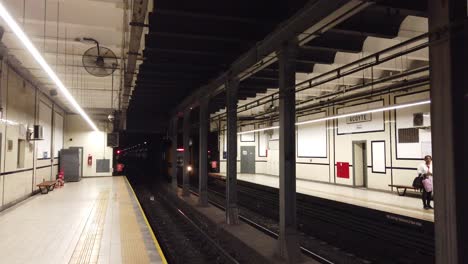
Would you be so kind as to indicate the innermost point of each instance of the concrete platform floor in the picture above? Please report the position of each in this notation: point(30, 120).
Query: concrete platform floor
point(96, 220)
point(383, 201)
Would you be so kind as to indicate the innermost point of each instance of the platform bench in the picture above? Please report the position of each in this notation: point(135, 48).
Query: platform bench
point(402, 187)
point(46, 186)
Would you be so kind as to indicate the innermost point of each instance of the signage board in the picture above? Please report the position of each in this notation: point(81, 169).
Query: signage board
point(359, 118)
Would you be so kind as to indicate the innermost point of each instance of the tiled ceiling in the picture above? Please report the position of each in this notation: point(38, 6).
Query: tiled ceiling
point(57, 28)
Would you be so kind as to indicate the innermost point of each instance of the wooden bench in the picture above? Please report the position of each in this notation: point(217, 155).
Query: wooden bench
point(404, 187)
point(46, 186)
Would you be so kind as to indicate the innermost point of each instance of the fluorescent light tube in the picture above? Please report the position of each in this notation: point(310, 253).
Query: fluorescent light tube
point(376, 110)
point(38, 57)
point(258, 130)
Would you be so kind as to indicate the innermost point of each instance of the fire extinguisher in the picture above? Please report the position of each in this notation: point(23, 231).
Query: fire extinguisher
point(90, 160)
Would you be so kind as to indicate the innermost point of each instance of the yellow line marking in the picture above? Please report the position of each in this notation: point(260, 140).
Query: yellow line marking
point(132, 244)
point(155, 240)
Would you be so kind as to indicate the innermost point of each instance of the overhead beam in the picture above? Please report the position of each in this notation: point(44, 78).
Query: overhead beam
point(138, 16)
point(156, 34)
point(315, 18)
point(151, 51)
point(178, 13)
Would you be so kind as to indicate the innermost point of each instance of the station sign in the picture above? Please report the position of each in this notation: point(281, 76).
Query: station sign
point(359, 118)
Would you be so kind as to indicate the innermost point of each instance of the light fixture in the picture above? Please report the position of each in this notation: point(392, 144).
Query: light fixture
point(38, 57)
point(189, 168)
point(258, 130)
point(376, 110)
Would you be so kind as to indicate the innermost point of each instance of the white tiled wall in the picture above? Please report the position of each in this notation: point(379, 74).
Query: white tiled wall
point(79, 134)
point(20, 102)
point(339, 147)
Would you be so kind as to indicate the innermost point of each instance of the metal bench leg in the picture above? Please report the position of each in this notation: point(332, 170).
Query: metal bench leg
point(44, 190)
point(51, 188)
point(403, 193)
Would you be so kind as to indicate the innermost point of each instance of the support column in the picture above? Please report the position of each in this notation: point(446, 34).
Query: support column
point(186, 176)
point(288, 238)
point(232, 212)
point(203, 156)
point(448, 54)
point(174, 153)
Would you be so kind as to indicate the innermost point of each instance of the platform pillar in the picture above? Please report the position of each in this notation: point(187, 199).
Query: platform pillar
point(232, 212)
point(203, 155)
point(186, 139)
point(448, 54)
point(174, 153)
point(288, 237)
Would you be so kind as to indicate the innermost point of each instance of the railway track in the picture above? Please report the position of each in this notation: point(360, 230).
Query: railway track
point(181, 238)
point(336, 232)
point(265, 229)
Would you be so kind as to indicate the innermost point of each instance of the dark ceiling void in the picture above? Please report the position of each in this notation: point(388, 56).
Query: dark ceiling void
point(191, 43)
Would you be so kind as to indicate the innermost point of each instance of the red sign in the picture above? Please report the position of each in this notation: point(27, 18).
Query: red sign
point(120, 167)
point(214, 164)
point(342, 170)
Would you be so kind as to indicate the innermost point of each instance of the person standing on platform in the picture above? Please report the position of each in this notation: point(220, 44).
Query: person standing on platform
point(425, 171)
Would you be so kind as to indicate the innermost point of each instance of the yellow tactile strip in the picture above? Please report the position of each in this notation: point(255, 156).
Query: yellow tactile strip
point(133, 248)
point(158, 256)
point(88, 246)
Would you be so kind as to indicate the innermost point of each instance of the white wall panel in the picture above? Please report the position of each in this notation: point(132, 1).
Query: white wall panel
point(404, 119)
point(312, 138)
point(262, 144)
point(275, 132)
point(250, 137)
point(45, 120)
point(43, 174)
point(335, 139)
point(58, 133)
point(378, 156)
point(23, 106)
point(404, 177)
point(312, 172)
point(19, 111)
point(260, 167)
point(94, 143)
point(17, 186)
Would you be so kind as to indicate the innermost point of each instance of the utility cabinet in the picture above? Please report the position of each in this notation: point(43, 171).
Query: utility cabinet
point(70, 164)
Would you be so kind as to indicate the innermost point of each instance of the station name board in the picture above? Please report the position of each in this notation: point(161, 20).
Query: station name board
point(359, 118)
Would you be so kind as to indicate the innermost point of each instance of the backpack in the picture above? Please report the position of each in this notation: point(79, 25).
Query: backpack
point(417, 182)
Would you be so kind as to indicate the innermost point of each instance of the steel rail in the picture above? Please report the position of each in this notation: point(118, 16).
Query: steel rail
point(267, 231)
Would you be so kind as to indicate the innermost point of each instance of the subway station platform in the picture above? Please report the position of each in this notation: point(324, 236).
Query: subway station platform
point(377, 200)
point(96, 220)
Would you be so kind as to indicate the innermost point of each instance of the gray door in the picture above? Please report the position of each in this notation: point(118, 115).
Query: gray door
point(359, 164)
point(70, 164)
point(247, 159)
